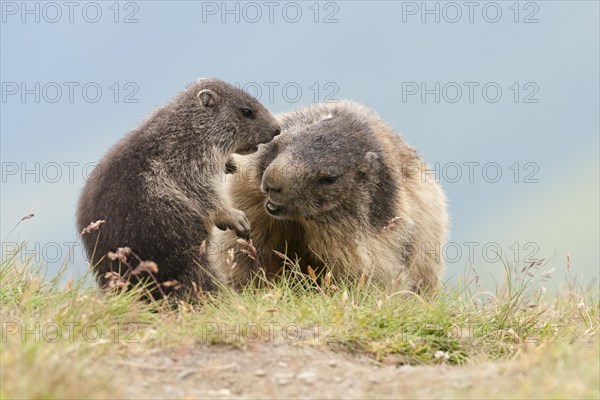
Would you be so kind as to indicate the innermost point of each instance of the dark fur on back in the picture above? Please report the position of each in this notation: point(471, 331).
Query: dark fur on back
point(158, 188)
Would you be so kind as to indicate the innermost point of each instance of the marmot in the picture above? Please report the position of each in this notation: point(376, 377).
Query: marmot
point(338, 190)
point(159, 188)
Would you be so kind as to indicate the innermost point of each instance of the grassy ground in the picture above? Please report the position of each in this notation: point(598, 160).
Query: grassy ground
point(60, 340)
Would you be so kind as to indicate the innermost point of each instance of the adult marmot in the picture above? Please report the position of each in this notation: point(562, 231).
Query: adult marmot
point(158, 189)
point(338, 190)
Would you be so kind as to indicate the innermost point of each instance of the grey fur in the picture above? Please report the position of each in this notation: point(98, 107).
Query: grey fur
point(346, 195)
point(159, 188)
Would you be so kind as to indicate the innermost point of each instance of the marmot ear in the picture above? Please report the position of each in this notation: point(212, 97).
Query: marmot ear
point(370, 161)
point(207, 97)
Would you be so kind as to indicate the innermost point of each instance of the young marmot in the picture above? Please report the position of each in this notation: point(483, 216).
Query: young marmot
point(159, 188)
point(340, 191)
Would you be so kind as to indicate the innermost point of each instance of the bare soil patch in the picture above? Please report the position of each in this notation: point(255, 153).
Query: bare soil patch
point(281, 370)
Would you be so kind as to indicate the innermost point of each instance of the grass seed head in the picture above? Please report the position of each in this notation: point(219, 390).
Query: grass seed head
point(93, 226)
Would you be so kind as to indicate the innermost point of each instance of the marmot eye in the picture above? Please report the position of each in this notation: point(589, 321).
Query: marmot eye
point(328, 179)
point(246, 112)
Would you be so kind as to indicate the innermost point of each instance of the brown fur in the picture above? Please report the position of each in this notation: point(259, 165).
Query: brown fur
point(350, 197)
point(159, 188)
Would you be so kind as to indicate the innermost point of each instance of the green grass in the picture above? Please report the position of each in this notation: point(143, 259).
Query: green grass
point(53, 333)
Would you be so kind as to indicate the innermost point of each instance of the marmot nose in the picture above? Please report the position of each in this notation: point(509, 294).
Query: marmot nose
point(276, 132)
point(269, 187)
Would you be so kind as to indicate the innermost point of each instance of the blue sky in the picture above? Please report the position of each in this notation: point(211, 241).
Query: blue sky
point(514, 92)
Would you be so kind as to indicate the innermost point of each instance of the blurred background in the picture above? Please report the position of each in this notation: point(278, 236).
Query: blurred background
point(500, 98)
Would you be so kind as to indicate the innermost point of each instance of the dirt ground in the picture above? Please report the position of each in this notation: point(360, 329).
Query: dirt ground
point(281, 370)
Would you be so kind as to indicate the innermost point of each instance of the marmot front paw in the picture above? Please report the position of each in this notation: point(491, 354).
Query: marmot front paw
point(237, 221)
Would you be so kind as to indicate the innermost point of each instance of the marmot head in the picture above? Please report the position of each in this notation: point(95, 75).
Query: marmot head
point(237, 121)
point(332, 168)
